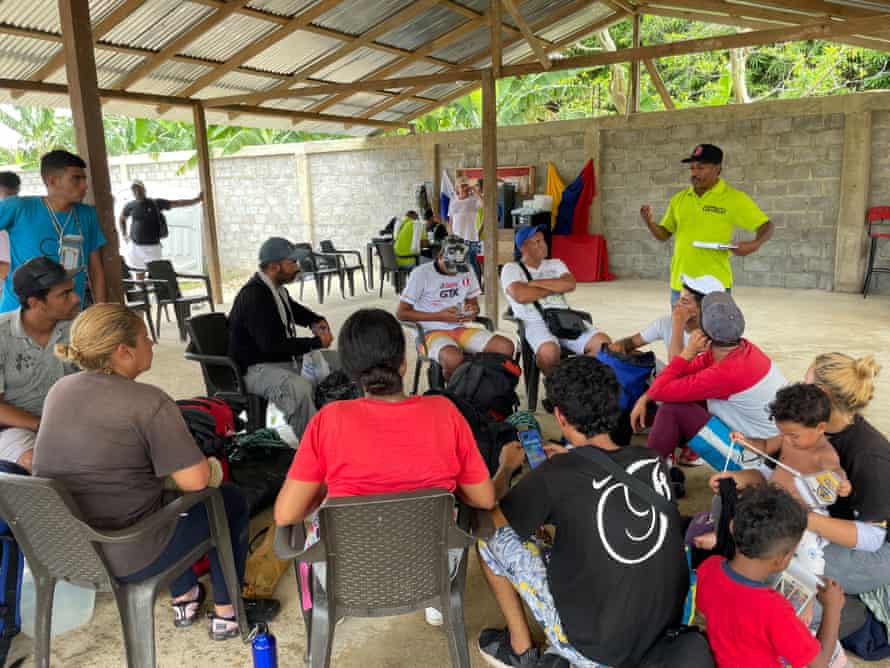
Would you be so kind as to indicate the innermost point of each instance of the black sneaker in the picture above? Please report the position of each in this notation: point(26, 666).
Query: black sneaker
point(494, 645)
point(261, 610)
point(678, 482)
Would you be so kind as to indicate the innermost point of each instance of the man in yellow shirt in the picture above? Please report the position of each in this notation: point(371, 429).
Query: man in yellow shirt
point(706, 213)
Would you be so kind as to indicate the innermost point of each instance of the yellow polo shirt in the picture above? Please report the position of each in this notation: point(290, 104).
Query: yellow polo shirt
point(710, 217)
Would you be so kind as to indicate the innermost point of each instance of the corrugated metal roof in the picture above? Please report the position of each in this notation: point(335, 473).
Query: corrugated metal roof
point(169, 77)
point(363, 100)
point(355, 65)
point(293, 52)
point(283, 7)
point(354, 17)
point(239, 81)
point(471, 43)
point(416, 69)
point(422, 29)
point(576, 21)
point(156, 23)
point(20, 57)
point(231, 35)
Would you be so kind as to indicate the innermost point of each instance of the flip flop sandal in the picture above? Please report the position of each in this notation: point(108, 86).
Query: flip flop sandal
point(223, 628)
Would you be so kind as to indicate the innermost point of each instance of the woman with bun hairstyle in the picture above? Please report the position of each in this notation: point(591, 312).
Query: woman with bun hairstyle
point(112, 441)
point(859, 554)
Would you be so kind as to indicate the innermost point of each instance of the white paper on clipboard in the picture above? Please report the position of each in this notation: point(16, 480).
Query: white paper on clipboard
point(713, 245)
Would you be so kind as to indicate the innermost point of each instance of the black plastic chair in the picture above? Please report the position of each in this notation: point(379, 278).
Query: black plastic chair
point(59, 545)
point(389, 265)
point(435, 375)
point(137, 296)
point(327, 247)
point(530, 370)
point(209, 346)
point(316, 267)
point(167, 293)
point(385, 555)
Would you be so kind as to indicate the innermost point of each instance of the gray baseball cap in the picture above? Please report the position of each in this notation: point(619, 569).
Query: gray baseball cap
point(721, 318)
point(276, 249)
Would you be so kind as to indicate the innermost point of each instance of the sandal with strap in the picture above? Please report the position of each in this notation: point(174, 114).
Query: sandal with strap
point(185, 613)
point(222, 628)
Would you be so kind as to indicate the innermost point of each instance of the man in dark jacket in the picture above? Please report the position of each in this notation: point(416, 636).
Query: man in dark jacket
point(263, 336)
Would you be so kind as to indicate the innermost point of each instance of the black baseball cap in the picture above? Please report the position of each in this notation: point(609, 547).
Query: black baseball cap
point(39, 274)
point(707, 153)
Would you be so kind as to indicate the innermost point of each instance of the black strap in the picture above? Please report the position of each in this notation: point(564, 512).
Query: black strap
point(637, 486)
point(528, 277)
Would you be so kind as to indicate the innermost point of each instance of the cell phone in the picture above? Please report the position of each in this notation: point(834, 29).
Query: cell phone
point(534, 448)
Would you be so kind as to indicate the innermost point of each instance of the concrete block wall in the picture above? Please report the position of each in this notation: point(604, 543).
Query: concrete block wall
point(790, 166)
point(880, 189)
point(355, 193)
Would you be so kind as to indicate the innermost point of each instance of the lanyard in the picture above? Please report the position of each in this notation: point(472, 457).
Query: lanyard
point(60, 229)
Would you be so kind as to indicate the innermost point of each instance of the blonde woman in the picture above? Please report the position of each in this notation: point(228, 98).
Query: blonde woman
point(859, 556)
point(112, 440)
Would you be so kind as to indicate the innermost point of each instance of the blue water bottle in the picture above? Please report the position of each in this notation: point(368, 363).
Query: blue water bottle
point(265, 654)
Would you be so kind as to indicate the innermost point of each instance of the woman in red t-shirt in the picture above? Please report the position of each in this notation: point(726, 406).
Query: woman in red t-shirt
point(386, 442)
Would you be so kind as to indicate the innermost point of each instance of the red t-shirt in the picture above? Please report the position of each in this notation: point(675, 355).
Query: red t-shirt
point(748, 623)
point(367, 446)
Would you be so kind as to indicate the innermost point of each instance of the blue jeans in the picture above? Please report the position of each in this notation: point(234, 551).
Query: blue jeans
point(858, 571)
point(193, 528)
point(675, 295)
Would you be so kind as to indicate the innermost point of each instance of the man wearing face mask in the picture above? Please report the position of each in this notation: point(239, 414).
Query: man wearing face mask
point(444, 297)
point(703, 217)
point(58, 226)
point(264, 338)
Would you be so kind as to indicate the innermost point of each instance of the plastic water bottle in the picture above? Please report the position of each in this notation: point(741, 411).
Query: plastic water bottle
point(72, 605)
point(265, 654)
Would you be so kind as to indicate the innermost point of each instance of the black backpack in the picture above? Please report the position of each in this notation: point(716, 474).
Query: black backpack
point(490, 434)
point(488, 382)
point(337, 386)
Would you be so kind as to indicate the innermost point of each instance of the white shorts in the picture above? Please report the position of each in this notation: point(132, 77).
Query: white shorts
point(537, 334)
point(15, 441)
point(468, 339)
point(138, 256)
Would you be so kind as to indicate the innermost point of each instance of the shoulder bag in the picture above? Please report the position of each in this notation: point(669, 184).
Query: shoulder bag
point(563, 323)
point(679, 645)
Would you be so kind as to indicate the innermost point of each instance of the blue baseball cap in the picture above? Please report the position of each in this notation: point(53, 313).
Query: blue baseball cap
point(276, 249)
point(523, 234)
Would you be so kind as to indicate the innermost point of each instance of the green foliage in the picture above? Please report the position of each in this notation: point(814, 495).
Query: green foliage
point(41, 130)
point(798, 69)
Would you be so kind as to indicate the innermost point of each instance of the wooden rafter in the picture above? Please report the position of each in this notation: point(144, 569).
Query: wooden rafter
point(530, 37)
point(180, 43)
point(495, 37)
point(477, 17)
point(580, 33)
point(557, 16)
point(400, 17)
point(355, 87)
point(658, 82)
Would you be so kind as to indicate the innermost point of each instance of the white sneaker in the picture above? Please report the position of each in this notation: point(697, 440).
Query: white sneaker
point(433, 617)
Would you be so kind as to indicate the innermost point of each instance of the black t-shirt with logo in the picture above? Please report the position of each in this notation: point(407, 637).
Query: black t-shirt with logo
point(618, 570)
point(145, 228)
point(865, 457)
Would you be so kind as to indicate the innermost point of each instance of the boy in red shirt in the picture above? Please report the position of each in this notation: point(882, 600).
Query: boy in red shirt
point(748, 623)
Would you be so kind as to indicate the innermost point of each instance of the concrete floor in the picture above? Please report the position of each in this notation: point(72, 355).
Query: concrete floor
point(792, 326)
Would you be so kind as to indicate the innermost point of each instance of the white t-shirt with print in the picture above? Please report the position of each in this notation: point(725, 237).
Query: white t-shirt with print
point(462, 213)
point(429, 290)
point(512, 273)
point(661, 330)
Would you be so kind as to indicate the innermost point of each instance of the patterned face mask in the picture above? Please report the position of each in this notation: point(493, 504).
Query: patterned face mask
point(454, 255)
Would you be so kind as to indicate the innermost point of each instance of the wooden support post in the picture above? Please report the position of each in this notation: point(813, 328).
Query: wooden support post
point(429, 150)
point(593, 150)
point(495, 26)
point(86, 111)
point(205, 174)
point(490, 195)
point(851, 246)
point(633, 98)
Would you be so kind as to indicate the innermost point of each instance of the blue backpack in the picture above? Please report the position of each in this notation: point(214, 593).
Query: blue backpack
point(633, 373)
point(12, 565)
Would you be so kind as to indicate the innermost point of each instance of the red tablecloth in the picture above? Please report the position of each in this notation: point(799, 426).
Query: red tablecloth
point(586, 256)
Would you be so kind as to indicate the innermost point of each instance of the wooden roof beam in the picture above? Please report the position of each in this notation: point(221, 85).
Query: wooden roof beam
point(530, 37)
point(658, 82)
point(557, 16)
point(178, 44)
